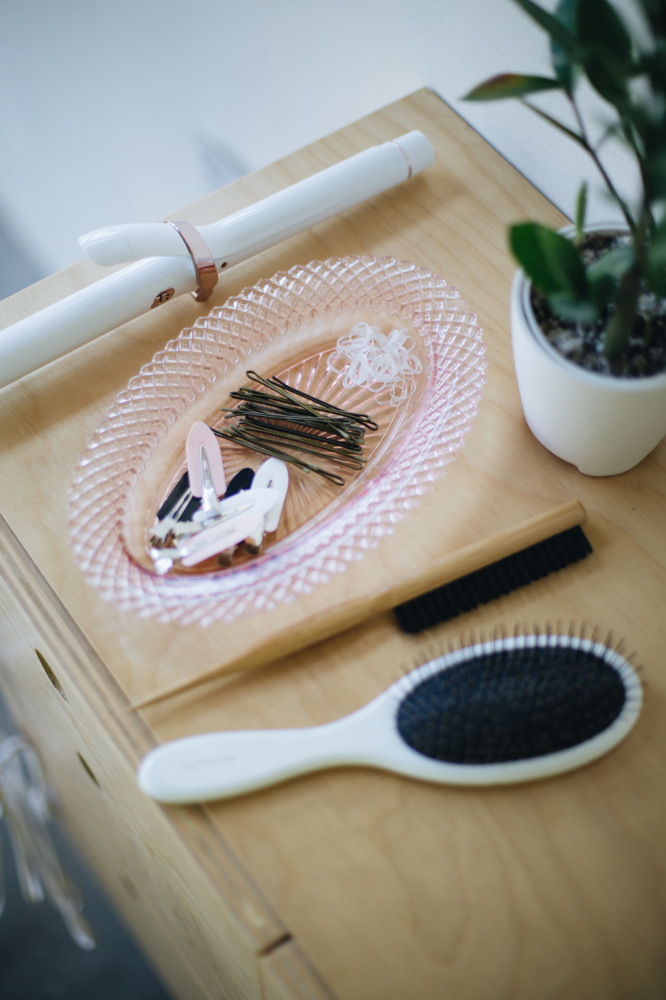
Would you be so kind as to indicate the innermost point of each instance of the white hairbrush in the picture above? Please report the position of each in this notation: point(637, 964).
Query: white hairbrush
point(504, 711)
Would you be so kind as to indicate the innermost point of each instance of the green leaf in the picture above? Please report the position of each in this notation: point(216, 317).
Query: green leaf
point(563, 67)
point(603, 289)
point(608, 77)
point(572, 309)
point(654, 173)
point(615, 263)
point(511, 85)
point(581, 206)
point(607, 50)
point(655, 269)
point(551, 261)
point(600, 28)
point(605, 275)
point(654, 63)
point(654, 11)
point(551, 24)
point(634, 127)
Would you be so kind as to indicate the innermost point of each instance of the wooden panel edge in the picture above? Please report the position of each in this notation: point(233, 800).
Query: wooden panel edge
point(133, 737)
point(286, 974)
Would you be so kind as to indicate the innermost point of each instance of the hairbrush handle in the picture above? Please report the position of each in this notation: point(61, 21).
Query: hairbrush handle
point(168, 270)
point(218, 765)
point(346, 615)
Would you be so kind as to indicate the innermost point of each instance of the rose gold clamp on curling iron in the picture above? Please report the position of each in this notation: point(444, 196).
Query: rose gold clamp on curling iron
point(175, 257)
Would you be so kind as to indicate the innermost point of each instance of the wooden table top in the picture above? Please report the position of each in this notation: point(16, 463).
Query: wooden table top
point(393, 888)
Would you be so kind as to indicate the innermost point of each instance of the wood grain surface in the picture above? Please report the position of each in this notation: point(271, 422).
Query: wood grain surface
point(331, 621)
point(389, 888)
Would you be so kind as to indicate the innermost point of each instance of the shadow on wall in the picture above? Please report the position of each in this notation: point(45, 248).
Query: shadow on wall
point(17, 267)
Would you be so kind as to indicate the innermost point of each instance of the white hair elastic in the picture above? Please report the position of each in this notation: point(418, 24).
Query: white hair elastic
point(383, 363)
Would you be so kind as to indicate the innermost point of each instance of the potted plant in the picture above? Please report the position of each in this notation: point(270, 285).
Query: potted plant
point(589, 305)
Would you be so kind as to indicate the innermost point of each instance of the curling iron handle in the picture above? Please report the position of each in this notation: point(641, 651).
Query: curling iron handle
point(79, 318)
point(134, 241)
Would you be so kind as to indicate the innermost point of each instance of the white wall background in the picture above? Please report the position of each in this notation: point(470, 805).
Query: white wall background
point(125, 111)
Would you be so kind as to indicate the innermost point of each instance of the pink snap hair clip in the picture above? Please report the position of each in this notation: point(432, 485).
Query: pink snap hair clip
point(202, 449)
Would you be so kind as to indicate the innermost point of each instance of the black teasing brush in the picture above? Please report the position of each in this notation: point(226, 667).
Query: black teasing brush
point(177, 492)
point(512, 704)
point(241, 481)
point(493, 581)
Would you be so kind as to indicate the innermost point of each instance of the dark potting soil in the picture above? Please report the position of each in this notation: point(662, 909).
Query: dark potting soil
point(582, 343)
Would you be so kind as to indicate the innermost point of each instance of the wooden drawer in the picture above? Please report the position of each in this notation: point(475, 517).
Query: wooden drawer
point(191, 907)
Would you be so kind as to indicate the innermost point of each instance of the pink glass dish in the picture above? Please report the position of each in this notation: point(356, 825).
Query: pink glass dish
point(286, 325)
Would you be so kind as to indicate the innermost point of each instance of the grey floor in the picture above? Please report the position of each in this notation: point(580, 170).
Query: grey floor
point(38, 959)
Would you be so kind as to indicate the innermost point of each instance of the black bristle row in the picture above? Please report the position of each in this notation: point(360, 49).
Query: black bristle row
point(496, 580)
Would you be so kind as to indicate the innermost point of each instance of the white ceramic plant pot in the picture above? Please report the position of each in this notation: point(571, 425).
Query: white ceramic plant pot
point(602, 424)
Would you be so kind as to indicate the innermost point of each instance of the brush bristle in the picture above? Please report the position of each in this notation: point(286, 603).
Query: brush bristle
point(493, 581)
point(508, 704)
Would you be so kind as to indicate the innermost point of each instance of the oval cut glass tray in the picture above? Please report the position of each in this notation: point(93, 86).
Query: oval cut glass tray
point(286, 326)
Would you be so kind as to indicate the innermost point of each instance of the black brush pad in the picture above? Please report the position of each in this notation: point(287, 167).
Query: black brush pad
point(493, 581)
point(511, 705)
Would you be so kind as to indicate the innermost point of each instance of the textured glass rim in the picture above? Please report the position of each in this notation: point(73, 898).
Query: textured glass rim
point(109, 469)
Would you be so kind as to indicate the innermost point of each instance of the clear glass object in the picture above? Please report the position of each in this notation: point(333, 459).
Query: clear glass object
point(24, 804)
point(288, 326)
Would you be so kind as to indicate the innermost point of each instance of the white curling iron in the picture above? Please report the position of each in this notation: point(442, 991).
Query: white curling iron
point(174, 258)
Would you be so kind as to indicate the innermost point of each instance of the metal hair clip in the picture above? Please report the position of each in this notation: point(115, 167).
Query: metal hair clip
point(220, 524)
point(25, 807)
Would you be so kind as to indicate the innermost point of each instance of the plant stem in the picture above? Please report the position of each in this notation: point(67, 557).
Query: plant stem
point(600, 167)
point(621, 323)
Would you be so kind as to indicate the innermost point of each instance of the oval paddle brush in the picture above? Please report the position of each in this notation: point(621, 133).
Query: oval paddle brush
point(504, 711)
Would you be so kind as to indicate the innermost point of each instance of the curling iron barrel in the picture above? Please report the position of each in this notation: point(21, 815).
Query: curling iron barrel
point(164, 259)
